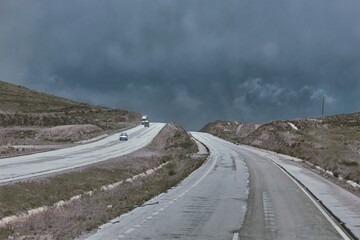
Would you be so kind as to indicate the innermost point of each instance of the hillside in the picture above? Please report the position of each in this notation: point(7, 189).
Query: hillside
point(332, 142)
point(28, 117)
point(230, 130)
point(21, 106)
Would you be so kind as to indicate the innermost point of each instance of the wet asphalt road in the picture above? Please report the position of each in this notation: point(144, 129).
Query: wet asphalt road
point(276, 208)
point(236, 194)
point(209, 204)
point(23, 167)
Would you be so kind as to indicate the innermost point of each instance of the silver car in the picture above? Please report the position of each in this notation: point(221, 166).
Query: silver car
point(123, 136)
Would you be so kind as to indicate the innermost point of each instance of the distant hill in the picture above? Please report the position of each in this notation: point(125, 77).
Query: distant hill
point(331, 142)
point(42, 121)
point(20, 106)
point(230, 130)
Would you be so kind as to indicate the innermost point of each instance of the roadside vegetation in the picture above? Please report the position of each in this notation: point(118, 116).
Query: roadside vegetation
point(93, 202)
point(331, 142)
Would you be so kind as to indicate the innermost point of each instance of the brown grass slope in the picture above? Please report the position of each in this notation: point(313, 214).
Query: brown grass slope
point(28, 117)
point(21, 106)
point(230, 130)
point(332, 142)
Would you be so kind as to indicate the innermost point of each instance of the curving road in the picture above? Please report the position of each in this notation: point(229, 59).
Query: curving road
point(23, 167)
point(209, 204)
point(277, 208)
point(236, 194)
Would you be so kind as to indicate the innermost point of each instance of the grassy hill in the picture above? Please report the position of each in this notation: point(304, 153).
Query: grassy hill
point(331, 142)
point(28, 117)
point(21, 106)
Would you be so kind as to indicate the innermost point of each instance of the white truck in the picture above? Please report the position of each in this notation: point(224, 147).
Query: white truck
point(145, 121)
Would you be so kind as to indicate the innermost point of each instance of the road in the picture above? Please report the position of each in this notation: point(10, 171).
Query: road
point(276, 207)
point(236, 194)
point(342, 203)
point(23, 167)
point(209, 204)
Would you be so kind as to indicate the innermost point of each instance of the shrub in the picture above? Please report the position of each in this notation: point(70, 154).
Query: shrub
point(172, 172)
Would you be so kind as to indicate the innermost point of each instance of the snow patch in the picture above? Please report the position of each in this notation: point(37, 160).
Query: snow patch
point(11, 219)
point(320, 168)
point(349, 182)
point(238, 129)
point(352, 183)
point(290, 158)
point(293, 126)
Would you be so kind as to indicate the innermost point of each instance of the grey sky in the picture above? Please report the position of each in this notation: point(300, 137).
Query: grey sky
point(185, 60)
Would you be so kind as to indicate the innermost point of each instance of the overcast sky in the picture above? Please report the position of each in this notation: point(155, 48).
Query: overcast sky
point(188, 61)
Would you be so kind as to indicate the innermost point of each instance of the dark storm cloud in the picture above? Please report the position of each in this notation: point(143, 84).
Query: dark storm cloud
point(191, 61)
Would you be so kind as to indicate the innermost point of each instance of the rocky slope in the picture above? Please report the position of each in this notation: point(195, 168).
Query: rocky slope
point(332, 142)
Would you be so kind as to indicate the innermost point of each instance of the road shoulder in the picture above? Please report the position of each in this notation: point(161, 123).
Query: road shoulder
point(340, 202)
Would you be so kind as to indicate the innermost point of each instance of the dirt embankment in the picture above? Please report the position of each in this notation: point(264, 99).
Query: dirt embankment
point(332, 142)
point(74, 203)
point(23, 140)
point(230, 130)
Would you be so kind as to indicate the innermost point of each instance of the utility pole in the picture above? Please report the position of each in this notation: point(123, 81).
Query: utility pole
point(323, 106)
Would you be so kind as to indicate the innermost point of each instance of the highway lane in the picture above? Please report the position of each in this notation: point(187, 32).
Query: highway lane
point(23, 167)
point(277, 208)
point(342, 203)
point(209, 204)
point(236, 194)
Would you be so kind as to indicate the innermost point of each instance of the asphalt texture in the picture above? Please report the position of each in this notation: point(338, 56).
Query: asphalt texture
point(236, 194)
point(29, 166)
point(209, 204)
point(342, 204)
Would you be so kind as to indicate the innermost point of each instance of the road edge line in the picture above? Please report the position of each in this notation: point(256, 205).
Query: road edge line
point(334, 221)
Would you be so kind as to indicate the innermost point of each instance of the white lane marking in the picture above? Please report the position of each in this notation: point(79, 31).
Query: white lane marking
point(171, 202)
point(136, 226)
point(121, 236)
point(208, 171)
point(236, 236)
point(329, 218)
point(149, 217)
point(130, 230)
point(161, 209)
point(155, 213)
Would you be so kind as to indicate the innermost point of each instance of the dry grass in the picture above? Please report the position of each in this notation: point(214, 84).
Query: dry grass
point(88, 212)
point(21, 106)
point(28, 117)
point(332, 143)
